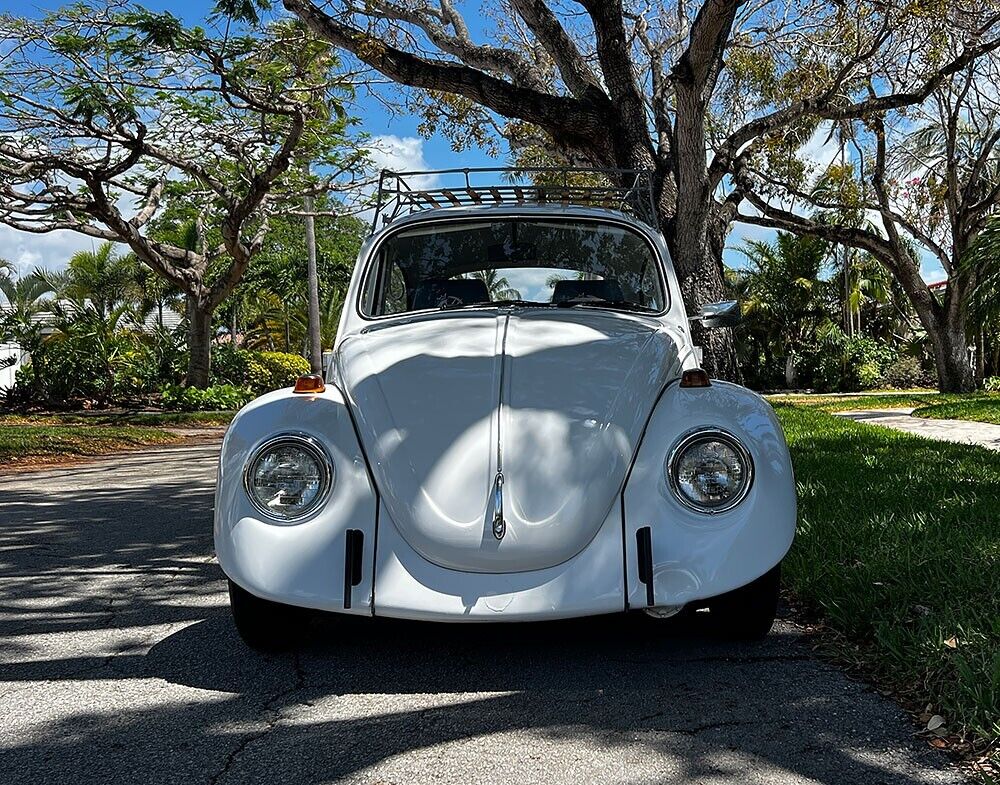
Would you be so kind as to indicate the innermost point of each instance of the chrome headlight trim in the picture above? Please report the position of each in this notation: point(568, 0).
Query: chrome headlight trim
point(697, 434)
point(309, 444)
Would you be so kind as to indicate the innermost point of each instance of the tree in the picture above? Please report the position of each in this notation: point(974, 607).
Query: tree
point(100, 277)
point(110, 114)
point(784, 294)
point(269, 308)
point(497, 285)
point(648, 87)
point(930, 176)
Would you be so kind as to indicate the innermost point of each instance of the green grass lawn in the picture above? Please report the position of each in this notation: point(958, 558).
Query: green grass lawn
point(898, 550)
point(892, 400)
point(28, 443)
point(169, 419)
point(983, 407)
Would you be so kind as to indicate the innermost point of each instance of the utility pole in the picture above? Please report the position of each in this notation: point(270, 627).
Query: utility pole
point(312, 283)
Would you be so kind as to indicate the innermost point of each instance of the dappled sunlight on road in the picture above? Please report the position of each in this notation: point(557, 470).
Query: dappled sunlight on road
point(118, 663)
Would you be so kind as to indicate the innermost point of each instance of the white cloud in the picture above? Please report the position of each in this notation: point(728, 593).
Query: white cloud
point(402, 154)
point(49, 251)
point(398, 153)
point(822, 148)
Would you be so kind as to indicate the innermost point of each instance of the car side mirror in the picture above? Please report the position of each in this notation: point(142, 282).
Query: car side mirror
point(722, 314)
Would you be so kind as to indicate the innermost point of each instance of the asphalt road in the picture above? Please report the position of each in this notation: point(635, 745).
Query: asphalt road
point(118, 664)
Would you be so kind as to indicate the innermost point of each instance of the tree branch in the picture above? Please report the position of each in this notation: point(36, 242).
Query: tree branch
point(570, 117)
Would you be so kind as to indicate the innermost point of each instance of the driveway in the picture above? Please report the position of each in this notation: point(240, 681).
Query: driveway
point(118, 664)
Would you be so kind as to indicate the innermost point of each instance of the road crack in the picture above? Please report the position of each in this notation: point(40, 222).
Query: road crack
point(271, 714)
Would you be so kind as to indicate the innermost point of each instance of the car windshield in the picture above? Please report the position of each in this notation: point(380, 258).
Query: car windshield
point(544, 263)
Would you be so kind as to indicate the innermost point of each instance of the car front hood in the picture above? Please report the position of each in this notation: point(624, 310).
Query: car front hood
point(555, 400)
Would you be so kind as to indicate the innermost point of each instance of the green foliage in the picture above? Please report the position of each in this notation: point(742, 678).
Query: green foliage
point(841, 364)
point(273, 370)
point(80, 366)
point(897, 548)
point(869, 375)
point(906, 372)
point(218, 397)
point(866, 359)
point(991, 384)
point(261, 372)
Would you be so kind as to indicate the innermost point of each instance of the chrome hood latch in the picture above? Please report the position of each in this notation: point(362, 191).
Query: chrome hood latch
point(499, 526)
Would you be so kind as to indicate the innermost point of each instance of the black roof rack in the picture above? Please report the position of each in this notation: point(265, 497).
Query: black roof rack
point(628, 191)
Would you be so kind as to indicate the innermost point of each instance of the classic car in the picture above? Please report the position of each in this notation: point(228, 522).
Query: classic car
point(513, 426)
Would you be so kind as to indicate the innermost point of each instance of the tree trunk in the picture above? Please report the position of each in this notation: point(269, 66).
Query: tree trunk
point(312, 281)
point(697, 258)
point(199, 320)
point(951, 358)
point(790, 371)
point(980, 356)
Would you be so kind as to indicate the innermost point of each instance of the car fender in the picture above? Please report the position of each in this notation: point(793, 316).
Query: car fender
point(694, 555)
point(303, 563)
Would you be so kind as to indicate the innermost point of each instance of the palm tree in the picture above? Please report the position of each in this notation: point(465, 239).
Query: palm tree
point(498, 286)
point(100, 277)
point(784, 297)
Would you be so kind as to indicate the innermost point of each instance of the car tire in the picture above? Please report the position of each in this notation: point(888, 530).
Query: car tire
point(265, 625)
point(748, 613)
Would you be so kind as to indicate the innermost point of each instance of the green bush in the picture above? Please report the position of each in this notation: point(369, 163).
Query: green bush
point(260, 371)
point(869, 375)
point(82, 366)
point(991, 384)
point(905, 373)
point(229, 364)
point(268, 371)
point(215, 398)
point(867, 359)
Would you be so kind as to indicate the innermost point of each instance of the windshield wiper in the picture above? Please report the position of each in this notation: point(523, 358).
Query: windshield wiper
point(495, 304)
point(596, 302)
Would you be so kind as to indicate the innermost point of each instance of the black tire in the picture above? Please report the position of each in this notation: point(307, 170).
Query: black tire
point(265, 625)
point(747, 613)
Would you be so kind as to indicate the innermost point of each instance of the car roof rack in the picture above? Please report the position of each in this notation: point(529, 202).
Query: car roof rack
point(628, 191)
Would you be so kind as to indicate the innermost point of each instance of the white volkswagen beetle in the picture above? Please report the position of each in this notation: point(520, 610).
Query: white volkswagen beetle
point(512, 427)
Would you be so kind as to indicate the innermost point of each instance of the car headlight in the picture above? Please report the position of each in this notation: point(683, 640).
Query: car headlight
point(710, 471)
point(288, 477)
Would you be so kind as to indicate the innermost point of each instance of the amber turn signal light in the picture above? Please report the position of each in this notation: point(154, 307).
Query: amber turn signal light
point(695, 377)
point(310, 383)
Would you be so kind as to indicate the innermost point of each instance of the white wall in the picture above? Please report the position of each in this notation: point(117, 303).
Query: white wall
point(7, 374)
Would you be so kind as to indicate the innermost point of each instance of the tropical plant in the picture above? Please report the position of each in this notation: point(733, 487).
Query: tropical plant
point(497, 285)
point(784, 298)
point(100, 278)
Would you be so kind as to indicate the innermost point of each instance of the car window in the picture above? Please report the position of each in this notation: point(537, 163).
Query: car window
point(548, 263)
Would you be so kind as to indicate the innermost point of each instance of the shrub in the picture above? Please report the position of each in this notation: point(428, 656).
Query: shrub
point(838, 363)
point(904, 373)
point(268, 371)
point(82, 366)
point(229, 364)
point(216, 397)
point(869, 375)
point(260, 371)
point(991, 384)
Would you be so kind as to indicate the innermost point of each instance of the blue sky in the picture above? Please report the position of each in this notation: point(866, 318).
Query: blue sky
point(396, 134)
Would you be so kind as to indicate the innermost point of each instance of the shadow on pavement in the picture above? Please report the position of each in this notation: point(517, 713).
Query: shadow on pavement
point(119, 664)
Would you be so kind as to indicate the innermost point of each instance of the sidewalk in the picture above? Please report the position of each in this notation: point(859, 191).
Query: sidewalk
point(961, 431)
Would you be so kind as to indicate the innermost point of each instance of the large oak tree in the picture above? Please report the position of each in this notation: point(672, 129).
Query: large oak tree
point(679, 89)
